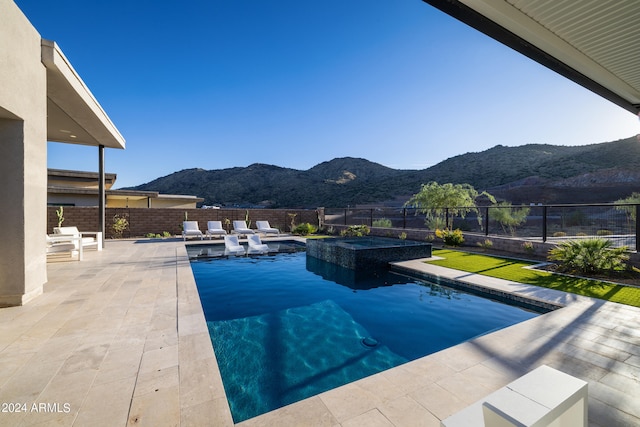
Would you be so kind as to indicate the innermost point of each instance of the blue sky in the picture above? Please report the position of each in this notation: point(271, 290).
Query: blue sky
point(216, 84)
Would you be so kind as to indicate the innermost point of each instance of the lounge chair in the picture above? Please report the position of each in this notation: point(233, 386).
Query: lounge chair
point(191, 229)
point(94, 238)
point(264, 227)
point(240, 227)
point(214, 228)
point(255, 245)
point(232, 247)
point(59, 244)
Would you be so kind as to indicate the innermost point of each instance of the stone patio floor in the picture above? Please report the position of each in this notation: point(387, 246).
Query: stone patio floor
point(120, 339)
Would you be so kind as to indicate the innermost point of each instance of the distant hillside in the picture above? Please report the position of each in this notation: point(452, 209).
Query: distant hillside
point(529, 173)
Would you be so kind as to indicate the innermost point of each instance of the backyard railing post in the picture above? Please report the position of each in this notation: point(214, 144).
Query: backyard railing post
point(345, 217)
point(486, 221)
point(446, 218)
point(544, 223)
point(637, 227)
point(404, 217)
point(371, 217)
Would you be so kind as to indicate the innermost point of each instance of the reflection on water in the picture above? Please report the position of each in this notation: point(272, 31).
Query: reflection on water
point(200, 251)
point(354, 279)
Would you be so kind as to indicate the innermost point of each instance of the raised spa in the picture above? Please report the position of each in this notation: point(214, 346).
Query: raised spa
point(359, 253)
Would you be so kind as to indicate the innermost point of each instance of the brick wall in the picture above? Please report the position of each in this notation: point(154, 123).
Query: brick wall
point(157, 220)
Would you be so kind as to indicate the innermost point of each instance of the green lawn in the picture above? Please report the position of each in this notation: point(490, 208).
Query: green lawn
point(510, 269)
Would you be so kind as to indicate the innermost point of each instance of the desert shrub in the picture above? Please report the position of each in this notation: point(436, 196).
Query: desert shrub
point(604, 232)
point(402, 236)
point(120, 224)
point(559, 234)
point(630, 211)
point(589, 256)
point(486, 244)
point(164, 234)
point(292, 218)
point(355, 231)
point(577, 218)
point(305, 229)
point(382, 222)
point(528, 247)
point(60, 215)
point(449, 237)
point(509, 217)
point(434, 223)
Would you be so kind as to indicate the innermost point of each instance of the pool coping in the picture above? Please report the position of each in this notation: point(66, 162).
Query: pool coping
point(121, 338)
point(192, 326)
point(106, 338)
point(529, 302)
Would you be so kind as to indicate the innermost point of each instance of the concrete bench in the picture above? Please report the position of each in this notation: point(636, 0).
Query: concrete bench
point(544, 397)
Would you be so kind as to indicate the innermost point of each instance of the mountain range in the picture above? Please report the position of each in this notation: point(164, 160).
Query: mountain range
point(532, 173)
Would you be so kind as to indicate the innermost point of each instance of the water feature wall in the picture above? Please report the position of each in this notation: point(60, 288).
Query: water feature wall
point(359, 253)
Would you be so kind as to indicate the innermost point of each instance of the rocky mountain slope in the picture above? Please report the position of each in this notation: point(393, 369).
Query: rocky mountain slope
point(533, 173)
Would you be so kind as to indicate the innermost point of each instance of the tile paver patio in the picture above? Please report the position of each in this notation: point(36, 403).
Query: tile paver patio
point(120, 339)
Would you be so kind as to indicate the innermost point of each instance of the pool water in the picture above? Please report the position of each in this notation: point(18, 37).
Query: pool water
point(283, 329)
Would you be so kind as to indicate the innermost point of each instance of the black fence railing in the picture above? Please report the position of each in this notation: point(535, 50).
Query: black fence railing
point(619, 223)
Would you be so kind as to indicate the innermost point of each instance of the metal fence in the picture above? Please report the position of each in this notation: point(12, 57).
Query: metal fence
point(616, 222)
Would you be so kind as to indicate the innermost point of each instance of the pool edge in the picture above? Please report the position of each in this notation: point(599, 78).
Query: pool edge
point(318, 403)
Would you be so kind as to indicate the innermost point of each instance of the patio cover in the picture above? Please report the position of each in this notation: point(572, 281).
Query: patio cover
point(592, 42)
point(73, 114)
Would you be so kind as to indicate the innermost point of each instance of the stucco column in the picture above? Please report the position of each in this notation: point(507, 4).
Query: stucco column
point(23, 159)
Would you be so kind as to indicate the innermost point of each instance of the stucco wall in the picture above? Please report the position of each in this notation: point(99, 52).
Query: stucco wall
point(172, 203)
point(124, 203)
point(23, 157)
point(74, 200)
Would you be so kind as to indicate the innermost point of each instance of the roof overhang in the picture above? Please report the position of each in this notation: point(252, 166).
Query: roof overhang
point(125, 194)
point(88, 178)
point(117, 194)
point(594, 43)
point(73, 114)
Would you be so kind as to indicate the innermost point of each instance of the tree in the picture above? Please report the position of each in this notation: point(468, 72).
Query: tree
point(435, 199)
point(634, 198)
point(509, 217)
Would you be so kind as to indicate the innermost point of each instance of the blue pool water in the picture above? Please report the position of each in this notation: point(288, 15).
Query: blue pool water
point(285, 327)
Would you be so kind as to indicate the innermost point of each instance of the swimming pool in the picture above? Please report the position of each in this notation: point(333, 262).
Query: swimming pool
point(283, 329)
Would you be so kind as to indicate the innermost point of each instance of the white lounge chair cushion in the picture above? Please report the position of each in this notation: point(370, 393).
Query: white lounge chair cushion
point(256, 245)
point(241, 228)
point(265, 227)
point(190, 228)
point(215, 227)
point(232, 245)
